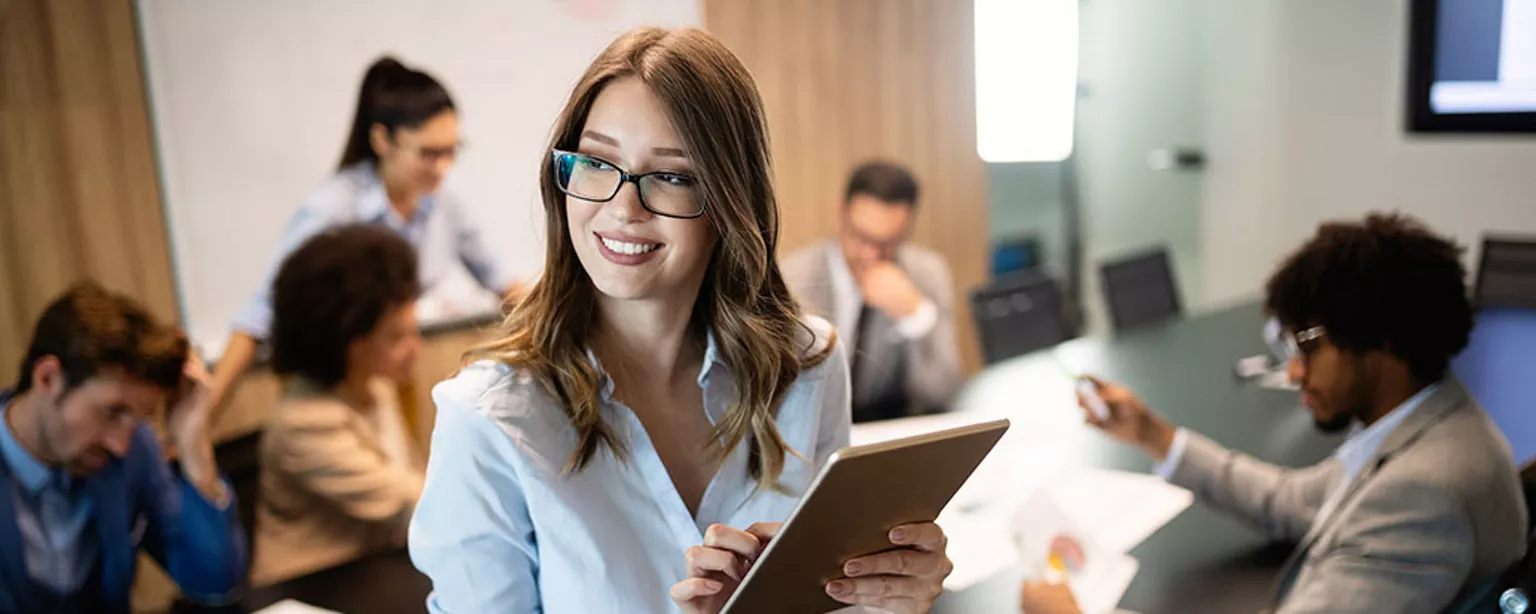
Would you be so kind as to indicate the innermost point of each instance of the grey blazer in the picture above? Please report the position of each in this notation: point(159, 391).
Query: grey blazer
point(1437, 511)
point(933, 361)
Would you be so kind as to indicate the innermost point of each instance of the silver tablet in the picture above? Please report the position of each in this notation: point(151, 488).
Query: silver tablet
point(860, 495)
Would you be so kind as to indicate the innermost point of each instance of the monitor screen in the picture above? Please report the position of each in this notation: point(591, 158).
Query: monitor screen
point(1472, 65)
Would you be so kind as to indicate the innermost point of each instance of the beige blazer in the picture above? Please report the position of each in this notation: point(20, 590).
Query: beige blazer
point(933, 361)
point(1438, 510)
point(337, 481)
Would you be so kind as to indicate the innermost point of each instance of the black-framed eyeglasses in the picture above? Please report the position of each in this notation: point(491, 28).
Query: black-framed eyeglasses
point(1302, 343)
point(664, 193)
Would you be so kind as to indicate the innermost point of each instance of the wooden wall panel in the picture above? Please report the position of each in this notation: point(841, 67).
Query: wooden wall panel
point(79, 196)
point(845, 81)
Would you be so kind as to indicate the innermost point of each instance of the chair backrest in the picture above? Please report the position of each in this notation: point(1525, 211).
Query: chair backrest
point(240, 460)
point(1019, 314)
point(1140, 290)
point(1506, 273)
point(1513, 591)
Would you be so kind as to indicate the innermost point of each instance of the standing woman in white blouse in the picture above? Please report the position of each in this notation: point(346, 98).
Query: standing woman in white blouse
point(658, 397)
point(403, 141)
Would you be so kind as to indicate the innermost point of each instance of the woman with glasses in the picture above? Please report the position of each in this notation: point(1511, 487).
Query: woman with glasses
point(657, 403)
point(403, 141)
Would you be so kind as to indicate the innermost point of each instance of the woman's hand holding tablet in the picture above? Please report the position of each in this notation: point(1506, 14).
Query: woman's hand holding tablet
point(903, 580)
point(863, 534)
point(716, 568)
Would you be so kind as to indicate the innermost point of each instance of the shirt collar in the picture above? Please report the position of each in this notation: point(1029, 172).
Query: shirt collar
point(373, 204)
point(32, 474)
point(1362, 445)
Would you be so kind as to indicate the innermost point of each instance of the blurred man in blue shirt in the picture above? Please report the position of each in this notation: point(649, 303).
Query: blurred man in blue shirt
point(83, 482)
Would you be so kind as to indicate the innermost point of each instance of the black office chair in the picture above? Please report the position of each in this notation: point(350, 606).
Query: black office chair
point(1140, 290)
point(240, 460)
point(1506, 273)
point(1018, 314)
point(1514, 591)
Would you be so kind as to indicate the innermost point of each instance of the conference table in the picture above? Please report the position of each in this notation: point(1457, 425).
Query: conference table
point(1199, 562)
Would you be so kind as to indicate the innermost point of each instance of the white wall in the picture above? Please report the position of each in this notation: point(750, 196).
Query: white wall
point(1305, 103)
point(1143, 71)
point(251, 101)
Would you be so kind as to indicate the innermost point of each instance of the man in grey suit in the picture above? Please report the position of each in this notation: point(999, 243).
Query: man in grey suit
point(891, 301)
point(1422, 502)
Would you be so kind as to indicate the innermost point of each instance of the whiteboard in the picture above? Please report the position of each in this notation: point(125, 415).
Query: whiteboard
point(251, 101)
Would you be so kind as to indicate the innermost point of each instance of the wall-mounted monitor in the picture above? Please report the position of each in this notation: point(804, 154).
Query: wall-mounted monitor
point(1472, 66)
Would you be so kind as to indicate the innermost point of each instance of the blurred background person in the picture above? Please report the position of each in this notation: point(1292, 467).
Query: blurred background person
point(1422, 503)
point(86, 485)
point(891, 301)
point(339, 475)
point(403, 142)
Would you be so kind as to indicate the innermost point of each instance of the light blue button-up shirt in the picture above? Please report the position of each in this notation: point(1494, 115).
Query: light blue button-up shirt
point(501, 528)
point(440, 230)
point(52, 517)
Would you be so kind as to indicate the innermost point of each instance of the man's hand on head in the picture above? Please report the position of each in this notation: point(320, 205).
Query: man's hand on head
point(187, 417)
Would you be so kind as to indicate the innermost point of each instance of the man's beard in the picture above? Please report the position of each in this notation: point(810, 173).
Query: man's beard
point(1338, 424)
point(1357, 402)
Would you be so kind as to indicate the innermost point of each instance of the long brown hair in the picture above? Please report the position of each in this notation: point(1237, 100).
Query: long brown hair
point(715, 106)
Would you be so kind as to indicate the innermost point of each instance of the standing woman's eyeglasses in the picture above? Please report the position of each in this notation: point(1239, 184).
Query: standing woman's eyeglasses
point(664, 193)
point(433, 155)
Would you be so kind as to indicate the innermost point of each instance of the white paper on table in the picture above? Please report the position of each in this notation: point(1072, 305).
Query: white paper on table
point(978, 548)
point(1118, 509)
point(290, 606)
point(1103, 596)
point(1052, 544)
point(454, 297)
